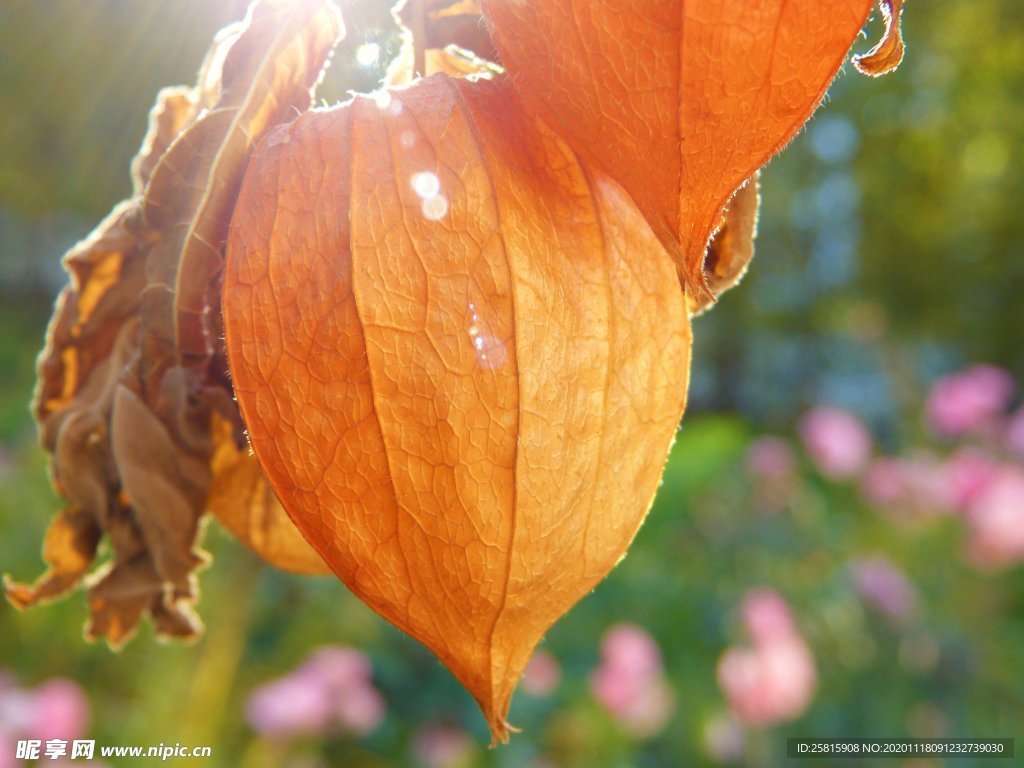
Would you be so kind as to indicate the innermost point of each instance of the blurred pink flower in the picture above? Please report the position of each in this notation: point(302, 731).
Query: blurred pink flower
point(929, 483)
point(773, 680)
point(442, 746)
point(55, 709)
point(338, 667)
point(331, 689)
point(542, 674)
point(884, 587)
point(630, 682)
point(16, 711)
point(969, 400)
point(970, 472)
point(836, 440)
point(8, 750)
point(1015, 433)
point(920, 484)
point(767, 685)
point(60, 710)
point(359, 710)
point(882, 482)
point(770, 458)
point(346, 674)
point(293, 705)
point(995, 521)
point(771, 463)
point(767, 617)
point(631, 649)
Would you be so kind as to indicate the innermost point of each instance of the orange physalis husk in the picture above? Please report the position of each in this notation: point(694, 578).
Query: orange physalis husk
point(461, 356)
point(680, 101)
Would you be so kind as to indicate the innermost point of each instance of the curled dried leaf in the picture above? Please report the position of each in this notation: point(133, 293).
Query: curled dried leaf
point(69, 549)
point(107, 275)
point(888, 53)
point(122, 593)
point(123, 406)
point(162, 483)
point(76, 432)
point(175, 109)
point(266, 77)
point(732, 245)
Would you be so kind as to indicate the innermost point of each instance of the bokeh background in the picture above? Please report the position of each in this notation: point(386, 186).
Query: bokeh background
point(837, 546)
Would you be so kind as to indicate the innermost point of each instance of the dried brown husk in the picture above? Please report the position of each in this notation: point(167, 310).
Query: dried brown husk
point(133, 401)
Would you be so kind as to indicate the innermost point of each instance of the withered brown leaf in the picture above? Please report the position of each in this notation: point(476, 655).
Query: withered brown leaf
point(133, 374)
point(191, 194)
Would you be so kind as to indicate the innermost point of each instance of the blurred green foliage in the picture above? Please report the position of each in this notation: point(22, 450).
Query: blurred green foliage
point(889, 251)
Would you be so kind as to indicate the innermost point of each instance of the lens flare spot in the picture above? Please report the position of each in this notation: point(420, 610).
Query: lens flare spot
point(426, 184)
point(435, 208)
point(368, 54)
